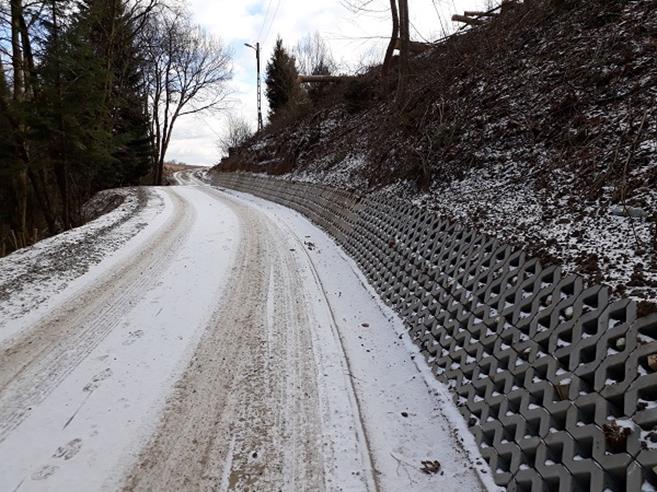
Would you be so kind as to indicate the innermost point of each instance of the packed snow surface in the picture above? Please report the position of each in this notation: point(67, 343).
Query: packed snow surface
point(212, 340)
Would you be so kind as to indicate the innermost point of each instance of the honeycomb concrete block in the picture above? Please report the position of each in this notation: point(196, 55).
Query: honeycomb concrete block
point(527, 480)
point(638, 477)
point(539, 364)
point(641, 398)
point(548, 464)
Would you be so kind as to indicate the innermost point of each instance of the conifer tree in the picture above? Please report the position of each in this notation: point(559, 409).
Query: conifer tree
point(281, 79)
point(76, 114)
point(123, 122)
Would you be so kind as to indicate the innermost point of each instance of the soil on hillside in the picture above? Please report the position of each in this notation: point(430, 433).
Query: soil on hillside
point(539, 127)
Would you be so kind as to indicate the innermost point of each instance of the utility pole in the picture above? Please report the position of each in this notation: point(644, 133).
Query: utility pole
point(257, 50)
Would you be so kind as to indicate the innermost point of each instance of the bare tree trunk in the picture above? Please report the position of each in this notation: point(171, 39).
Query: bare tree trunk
point(38, 182)
point(309, 79)
point(394, 37)
point(473, 21)
point(404, 49)
point(166, 139)
point(156, 127)
point(28, 58)
point(61, 166)
point(16, 51)
point(25, 83)
point(20, 181)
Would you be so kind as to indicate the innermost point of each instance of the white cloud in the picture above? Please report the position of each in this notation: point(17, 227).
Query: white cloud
point(352, 36)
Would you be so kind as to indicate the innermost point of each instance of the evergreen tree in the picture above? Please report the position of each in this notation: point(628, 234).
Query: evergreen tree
point(88, 123)
point(77, 117)
point(109, 30)
point(281, 79)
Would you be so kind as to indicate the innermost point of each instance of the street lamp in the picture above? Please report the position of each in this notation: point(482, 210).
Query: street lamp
point(257, 50)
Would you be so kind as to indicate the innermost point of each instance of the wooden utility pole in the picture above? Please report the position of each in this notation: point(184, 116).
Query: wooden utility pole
point(259, 87)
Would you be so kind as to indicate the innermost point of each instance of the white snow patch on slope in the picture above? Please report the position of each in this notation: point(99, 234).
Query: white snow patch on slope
point(30, 277)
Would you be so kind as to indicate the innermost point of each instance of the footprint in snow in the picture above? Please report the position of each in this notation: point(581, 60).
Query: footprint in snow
point(44, 472)
point(133, 336)
point(97, 379)
point(68, 450)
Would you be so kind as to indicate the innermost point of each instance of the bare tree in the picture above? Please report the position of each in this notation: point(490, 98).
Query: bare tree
point(394, 37)
point(188, 71)
point(237, 132)
point(18, 65)
point(404, 37)
point(399, 38)
point(313, 55)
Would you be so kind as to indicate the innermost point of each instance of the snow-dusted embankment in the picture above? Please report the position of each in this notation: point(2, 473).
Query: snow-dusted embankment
point(227, 344)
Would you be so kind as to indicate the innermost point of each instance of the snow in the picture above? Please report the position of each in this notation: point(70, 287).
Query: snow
point(92, 363)
point(343, 171)
point(389, 373)
point(31, 277)
point(109, 403)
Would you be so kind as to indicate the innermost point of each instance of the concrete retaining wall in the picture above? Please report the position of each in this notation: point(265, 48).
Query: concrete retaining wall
point(547, 371)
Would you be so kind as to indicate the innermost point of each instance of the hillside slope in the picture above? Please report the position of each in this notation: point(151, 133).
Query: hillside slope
point(539, 128)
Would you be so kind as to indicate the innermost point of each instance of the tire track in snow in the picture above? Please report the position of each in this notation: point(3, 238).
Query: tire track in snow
point(247, 414)
point(344, 439)
point(39, 358)
point(187, 451)
point(344, 359)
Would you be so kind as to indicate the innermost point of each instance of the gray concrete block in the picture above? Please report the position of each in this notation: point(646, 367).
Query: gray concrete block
point(538, 362)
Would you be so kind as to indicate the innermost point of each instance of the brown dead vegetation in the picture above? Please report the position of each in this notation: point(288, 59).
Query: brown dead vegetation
point(562, 94)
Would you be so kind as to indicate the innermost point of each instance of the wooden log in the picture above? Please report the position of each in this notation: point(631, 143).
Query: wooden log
point(473, 13)
point(324, 78)
point(415, 46)
point(467, 20)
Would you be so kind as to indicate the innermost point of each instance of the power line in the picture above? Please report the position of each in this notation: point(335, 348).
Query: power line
point(419, 33)
point(209, 126)
point(278, 4)
point(264, 20)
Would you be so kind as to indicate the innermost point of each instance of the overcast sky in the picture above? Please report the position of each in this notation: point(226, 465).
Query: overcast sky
point(353, 38)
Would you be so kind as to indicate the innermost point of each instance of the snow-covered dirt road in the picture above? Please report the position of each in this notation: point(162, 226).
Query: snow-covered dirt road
point(214, 341)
